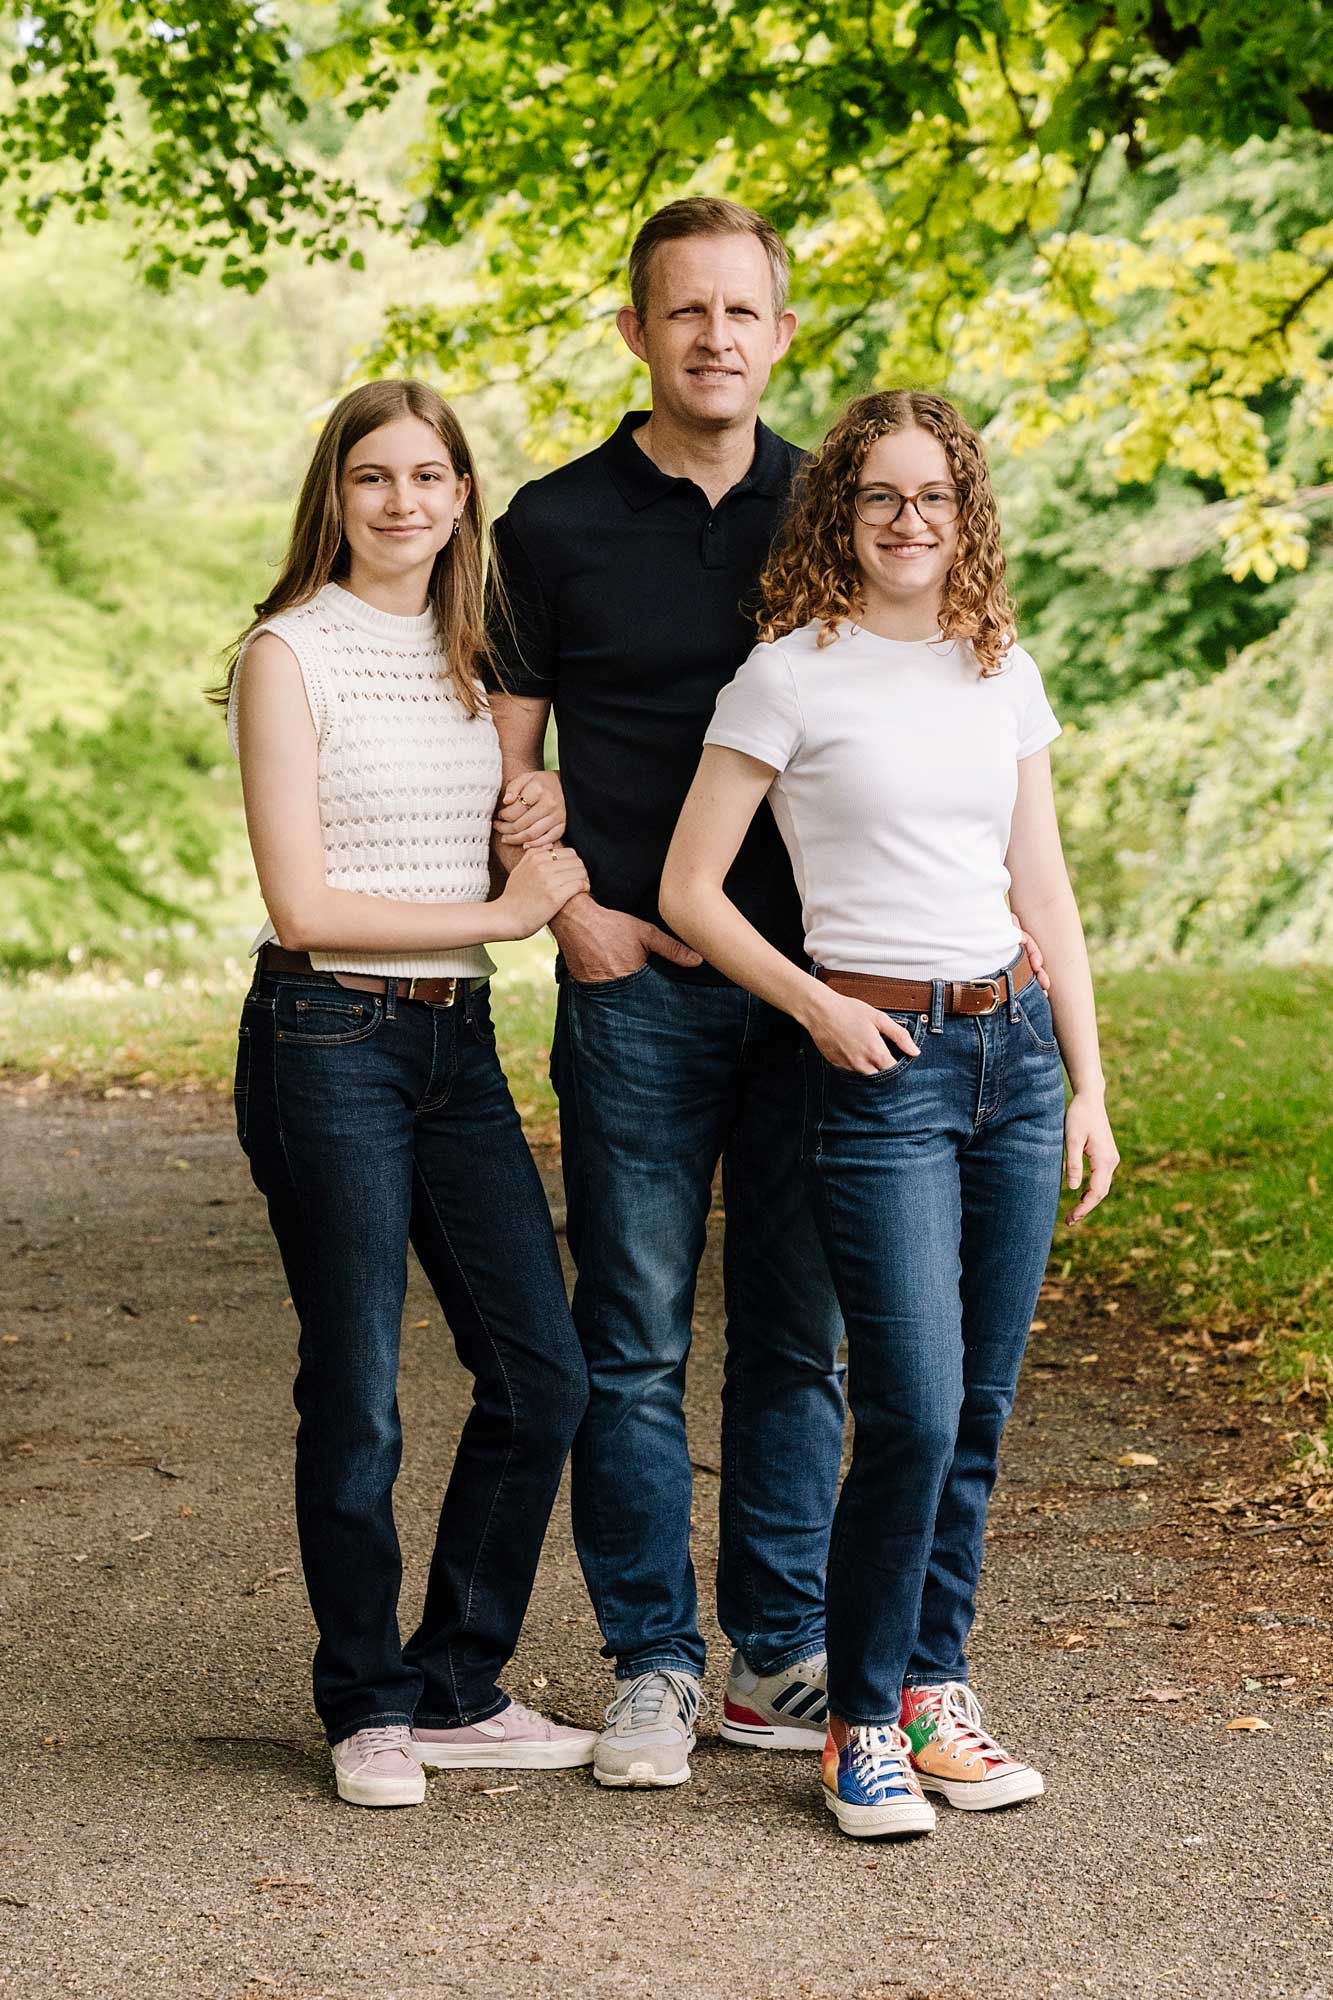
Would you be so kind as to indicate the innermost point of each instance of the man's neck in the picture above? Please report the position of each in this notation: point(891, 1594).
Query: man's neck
point(714, 459)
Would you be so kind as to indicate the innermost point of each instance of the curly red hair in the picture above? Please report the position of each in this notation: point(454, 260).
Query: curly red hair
point(812, 573)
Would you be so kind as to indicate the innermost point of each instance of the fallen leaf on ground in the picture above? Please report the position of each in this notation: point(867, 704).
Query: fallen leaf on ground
point(1248, 1722)
point(1038, 1326)
point(1166, 1694)
point(261, 1583)
point(1136, 1458)
point(420, 1322)
point(498, 1791)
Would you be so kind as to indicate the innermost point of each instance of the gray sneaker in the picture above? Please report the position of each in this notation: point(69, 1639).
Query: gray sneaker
point(650, 1731)
point(783, 1711)
point(379, 1767)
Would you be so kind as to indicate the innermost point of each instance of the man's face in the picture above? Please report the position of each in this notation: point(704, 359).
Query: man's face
point(709, 336)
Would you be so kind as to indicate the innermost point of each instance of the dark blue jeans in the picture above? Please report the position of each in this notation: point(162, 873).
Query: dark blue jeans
point(936, 1185)
point(370, 1123)
point(657, 1079)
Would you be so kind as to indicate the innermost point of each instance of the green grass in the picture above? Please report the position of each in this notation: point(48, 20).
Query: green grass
point(1219, 1088)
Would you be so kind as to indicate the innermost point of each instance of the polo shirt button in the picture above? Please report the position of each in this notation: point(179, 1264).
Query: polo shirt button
point(712, 526)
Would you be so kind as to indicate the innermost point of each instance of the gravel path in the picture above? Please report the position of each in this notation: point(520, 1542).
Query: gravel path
point(167, 1824)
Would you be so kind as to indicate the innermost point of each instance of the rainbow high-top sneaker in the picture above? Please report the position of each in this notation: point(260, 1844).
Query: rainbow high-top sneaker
point(869, 1784)
point(958, 1758)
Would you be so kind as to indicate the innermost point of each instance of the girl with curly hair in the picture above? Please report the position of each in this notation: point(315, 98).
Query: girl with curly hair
point(902, 738)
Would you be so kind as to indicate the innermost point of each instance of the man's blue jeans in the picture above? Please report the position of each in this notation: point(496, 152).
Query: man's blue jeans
point(371, 1122)
point(936, 1185)
point(657, 1079)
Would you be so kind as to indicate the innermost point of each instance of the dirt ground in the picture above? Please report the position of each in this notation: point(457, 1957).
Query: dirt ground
point(167, 1821)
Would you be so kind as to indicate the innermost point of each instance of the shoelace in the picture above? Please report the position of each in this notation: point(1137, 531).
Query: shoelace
point(958, 1715)
point(390, 1736)
point(642, 1700)
point(881, 1758)
point(522, 1713)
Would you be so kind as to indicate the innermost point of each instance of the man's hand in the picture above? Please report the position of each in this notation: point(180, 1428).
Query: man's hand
point(1035, 959)
point(598, 944)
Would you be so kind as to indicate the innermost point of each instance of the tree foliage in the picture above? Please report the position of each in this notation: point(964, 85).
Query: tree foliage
point(1104, 227)
point(1199, 820)
point(977, 191)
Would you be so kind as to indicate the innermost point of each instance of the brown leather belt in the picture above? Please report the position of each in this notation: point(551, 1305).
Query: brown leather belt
point(914, 996)
point(434, 992)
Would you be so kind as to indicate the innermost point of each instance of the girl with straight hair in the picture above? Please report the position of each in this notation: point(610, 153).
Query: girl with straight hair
point(369, 1098)
point(901, 737)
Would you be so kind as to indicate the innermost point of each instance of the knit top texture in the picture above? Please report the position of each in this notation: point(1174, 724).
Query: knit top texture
point(408, 780)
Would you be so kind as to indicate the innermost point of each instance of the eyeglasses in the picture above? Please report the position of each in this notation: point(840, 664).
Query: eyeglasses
point(880, 506)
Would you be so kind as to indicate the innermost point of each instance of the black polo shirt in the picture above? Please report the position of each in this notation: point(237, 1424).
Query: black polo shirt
point(633, 602)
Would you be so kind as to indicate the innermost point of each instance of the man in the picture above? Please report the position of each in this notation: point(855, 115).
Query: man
point(631, 577)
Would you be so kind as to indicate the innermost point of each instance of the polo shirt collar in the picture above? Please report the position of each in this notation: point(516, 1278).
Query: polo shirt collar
point(640, 482)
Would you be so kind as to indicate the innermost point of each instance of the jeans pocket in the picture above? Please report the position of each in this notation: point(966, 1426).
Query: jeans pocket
point(325, 1018)
point(903, 1060)
point(477, 1017)
point(1035, 1011)
point(617, 985)
point(240, 1090)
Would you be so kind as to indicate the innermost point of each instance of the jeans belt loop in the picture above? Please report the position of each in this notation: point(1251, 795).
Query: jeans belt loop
point(390, 999)
point(937, 1006)
point(1013, 997)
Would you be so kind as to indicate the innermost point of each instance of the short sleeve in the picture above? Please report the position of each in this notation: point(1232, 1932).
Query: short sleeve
point(521, 624)
point(1037, 724)
point(759, 712)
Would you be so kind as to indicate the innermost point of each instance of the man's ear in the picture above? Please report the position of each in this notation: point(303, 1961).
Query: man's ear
point(786, 327)
point(631, 331)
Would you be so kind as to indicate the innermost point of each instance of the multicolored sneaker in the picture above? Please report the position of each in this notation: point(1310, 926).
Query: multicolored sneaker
point(783, 1711)
point(650, 1731)
point(517, 1739)
point(959, 1759)
point(379, 1767)
point(869, 1783)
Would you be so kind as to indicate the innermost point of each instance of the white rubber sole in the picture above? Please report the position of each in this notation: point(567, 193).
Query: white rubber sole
point(643, 1776)
point(870, 1822)
point(772, 1736)
point(380, 1791)
point(567, 1756)
point(987, 1793)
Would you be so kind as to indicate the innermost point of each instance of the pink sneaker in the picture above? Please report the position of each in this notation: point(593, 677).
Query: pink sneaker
point(517, 1739)
point(379, 1767)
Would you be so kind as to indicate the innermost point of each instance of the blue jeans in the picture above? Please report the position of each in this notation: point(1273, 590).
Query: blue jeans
point(370, 1123)
point(936, 1185)
point(657, 1080)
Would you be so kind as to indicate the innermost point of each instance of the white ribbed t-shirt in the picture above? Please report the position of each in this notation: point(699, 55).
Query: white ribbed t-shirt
point(897, 773)
point(408, 780)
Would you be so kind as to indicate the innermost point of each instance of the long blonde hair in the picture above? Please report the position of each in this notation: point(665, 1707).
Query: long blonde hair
point(317, 552)
point(813, 573)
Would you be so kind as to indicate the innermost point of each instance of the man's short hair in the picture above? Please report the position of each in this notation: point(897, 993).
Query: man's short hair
point(704, 215)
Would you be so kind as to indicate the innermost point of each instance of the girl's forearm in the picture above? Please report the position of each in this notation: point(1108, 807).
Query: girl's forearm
point(1058, 930)
point(328, 919)
point(704, 915)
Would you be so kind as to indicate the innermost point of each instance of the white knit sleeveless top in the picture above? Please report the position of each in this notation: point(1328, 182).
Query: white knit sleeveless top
point(408, 780)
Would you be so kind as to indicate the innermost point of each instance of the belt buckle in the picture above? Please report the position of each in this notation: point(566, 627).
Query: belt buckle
point(424, 979)
point(996, 995)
